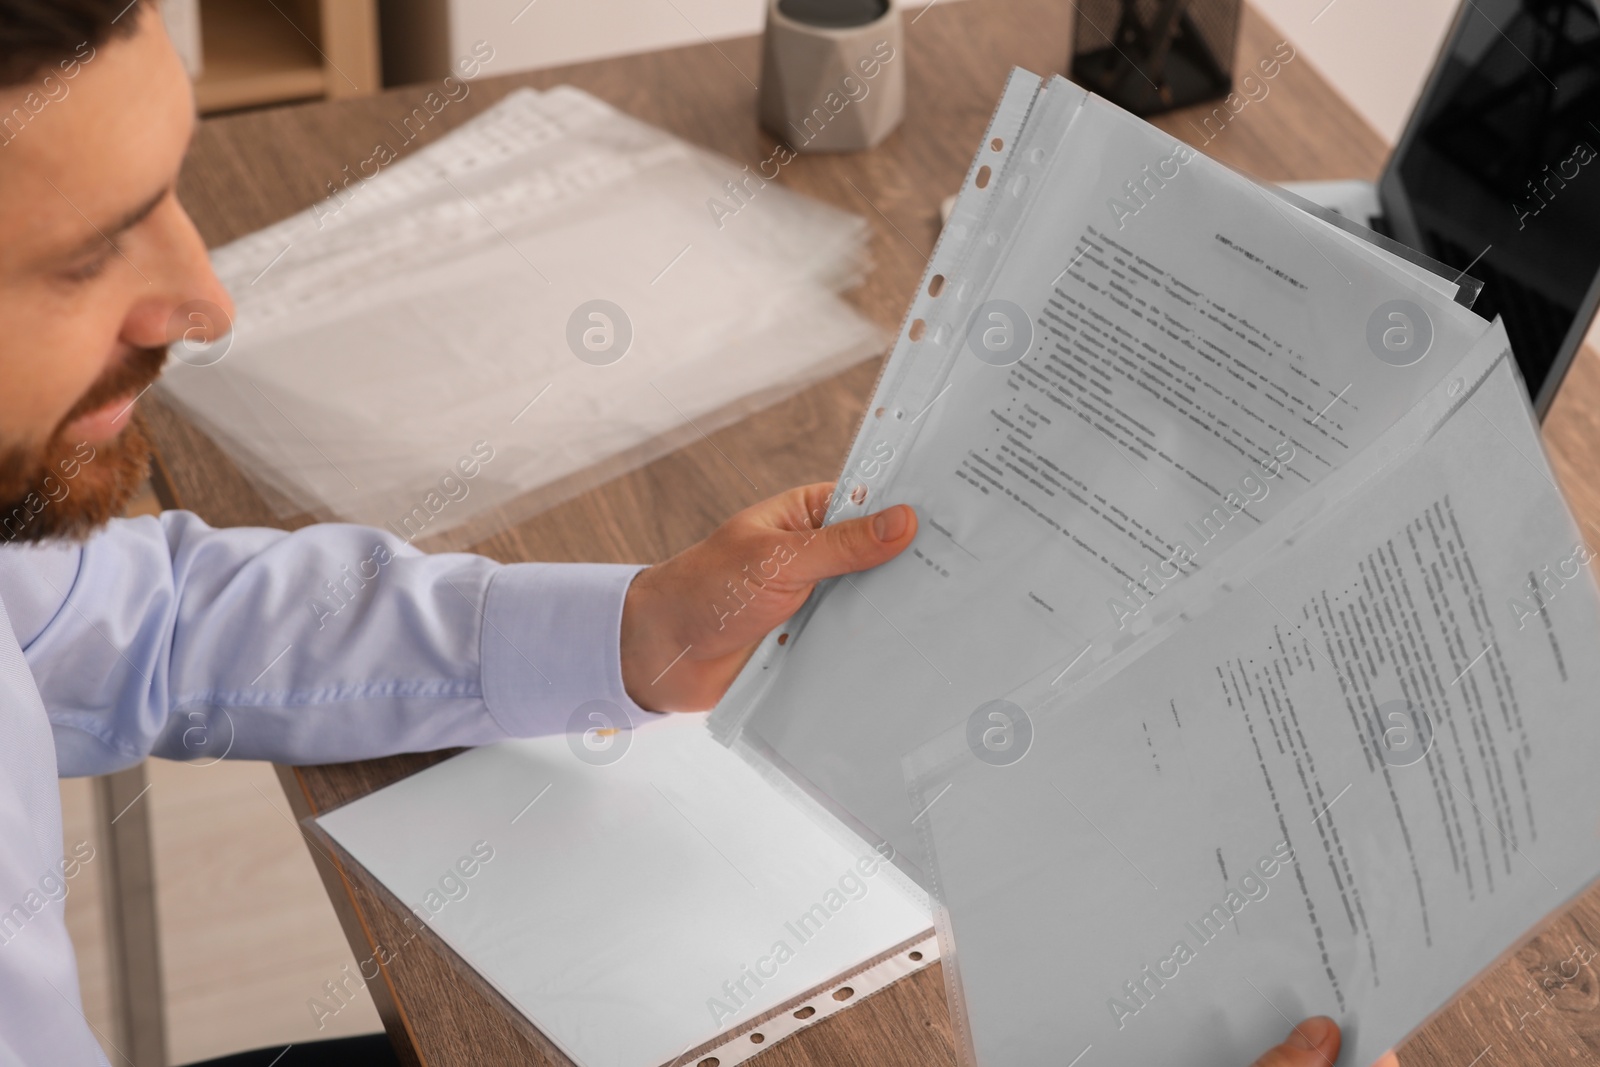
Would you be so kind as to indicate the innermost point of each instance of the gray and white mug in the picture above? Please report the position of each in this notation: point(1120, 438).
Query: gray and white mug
point(832, 73)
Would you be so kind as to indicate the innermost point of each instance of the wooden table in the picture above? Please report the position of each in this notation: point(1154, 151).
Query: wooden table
point(250, 170)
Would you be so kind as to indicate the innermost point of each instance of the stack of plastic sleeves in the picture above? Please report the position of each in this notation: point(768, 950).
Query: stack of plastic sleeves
point(545, 298)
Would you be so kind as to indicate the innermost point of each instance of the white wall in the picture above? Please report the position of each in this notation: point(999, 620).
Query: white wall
point(554, 32)
point(423, 38)
point(1376, 53)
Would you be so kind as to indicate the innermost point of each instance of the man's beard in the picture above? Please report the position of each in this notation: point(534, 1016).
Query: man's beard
point(68, 488)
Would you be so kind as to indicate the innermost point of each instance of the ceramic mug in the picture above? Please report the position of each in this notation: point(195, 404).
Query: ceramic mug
point(832, 73)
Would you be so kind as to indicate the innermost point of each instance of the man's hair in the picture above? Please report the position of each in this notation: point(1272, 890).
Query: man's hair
point(35, 35)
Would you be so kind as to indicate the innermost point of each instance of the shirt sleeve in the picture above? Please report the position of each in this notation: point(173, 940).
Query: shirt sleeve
point(163, 636)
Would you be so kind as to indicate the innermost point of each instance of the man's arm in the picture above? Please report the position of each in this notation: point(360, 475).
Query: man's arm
point(163, 636)
point(167, 637)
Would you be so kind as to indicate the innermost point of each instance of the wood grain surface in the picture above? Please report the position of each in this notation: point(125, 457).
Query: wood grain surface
point(249, 170)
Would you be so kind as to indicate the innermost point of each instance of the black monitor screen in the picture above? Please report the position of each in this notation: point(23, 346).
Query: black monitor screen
point(1498, 173)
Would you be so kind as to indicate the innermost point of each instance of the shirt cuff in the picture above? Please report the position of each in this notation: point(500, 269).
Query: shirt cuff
point(552, 636)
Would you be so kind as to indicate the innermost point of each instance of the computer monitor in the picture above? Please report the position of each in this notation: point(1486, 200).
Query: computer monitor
point(1498, 173)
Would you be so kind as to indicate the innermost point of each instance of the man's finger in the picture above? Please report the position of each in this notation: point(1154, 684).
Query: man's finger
point(1314, 1043)
point(855, 545)
point(802, 508)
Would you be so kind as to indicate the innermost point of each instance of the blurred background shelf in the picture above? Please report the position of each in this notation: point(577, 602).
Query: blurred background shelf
point(258, 52)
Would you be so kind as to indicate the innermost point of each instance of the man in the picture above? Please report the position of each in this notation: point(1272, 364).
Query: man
point(120, 638)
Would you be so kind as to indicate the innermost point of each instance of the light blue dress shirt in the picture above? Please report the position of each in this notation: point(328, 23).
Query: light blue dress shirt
point(162, 636)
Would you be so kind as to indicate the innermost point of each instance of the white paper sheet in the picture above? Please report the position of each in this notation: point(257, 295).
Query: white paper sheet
point(634, 909)
point(1402, 700)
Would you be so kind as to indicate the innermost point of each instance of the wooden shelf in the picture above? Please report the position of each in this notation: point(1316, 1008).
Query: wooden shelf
point(275, 51)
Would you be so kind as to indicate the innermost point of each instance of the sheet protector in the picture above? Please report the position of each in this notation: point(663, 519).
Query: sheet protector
point(433, 313)
point(1183, 358)
point(632, 910)
point(1352, 783)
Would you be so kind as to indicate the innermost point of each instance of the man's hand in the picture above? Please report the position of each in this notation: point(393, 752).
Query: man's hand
point(1314, 1043)
point(689, 624)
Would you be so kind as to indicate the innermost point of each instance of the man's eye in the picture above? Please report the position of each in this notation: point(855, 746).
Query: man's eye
point(89, 268)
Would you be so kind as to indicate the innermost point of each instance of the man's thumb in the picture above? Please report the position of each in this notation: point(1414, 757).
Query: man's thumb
point(857, 544)
point(1314, 1043)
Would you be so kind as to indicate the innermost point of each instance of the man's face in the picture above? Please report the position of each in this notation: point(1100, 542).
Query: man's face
point(96, 261)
